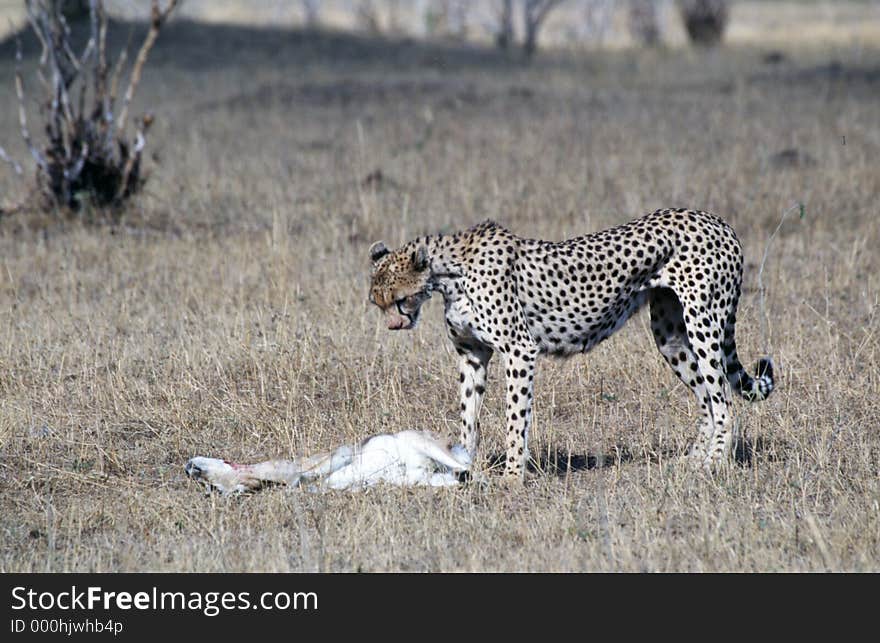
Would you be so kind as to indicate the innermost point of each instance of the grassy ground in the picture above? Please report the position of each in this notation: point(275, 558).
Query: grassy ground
point(228, 316)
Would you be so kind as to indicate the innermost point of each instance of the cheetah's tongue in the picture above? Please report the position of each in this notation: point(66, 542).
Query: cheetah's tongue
point(396, 321)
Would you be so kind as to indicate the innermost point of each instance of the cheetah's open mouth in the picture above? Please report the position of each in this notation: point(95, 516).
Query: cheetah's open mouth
point(402, 322)
point(404, 313)
point(409, 317)
point(398, 320)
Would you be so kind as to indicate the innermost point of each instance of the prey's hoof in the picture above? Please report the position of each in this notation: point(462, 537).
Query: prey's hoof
point(716, 463)
point(473, 479)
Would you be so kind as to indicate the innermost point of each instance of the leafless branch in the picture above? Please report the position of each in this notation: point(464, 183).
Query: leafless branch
point(114, 88)
point(66, 48)
point(157, 17)
point(140, 141)
point(5, 157)
point(38, 31)
point(135, 154)
point(22, 114)
point(72, 173)
point(101, 62)
point(91, 44)
point(117, 73)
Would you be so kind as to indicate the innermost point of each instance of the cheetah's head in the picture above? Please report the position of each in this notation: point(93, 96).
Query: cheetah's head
point(400, 283)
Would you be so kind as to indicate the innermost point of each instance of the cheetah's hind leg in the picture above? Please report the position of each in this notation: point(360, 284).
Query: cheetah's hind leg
point(670, 335)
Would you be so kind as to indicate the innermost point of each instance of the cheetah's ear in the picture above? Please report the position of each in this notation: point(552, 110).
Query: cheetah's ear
point(377, 251)
point(420, 259)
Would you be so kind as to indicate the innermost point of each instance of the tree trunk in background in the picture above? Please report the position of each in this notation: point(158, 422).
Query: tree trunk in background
point(504, 37)
point(704, 20)
point(643, 25)
point(534, 13)
point(311, 13)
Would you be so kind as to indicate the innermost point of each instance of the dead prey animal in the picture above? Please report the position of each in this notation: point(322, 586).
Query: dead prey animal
point(407, 458)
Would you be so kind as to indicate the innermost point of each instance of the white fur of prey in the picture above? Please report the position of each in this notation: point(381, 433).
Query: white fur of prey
point(408, 458)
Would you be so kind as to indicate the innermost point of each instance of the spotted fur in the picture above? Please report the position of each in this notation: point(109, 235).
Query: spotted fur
point(524, 297)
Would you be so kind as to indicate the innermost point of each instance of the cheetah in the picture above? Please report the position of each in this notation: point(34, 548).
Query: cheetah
point(524, 297)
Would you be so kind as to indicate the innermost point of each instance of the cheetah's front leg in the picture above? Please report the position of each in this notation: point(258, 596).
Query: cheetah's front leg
point(520, 375)
point(472, 365)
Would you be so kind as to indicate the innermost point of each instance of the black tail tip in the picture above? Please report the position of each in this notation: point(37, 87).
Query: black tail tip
point(765, 368)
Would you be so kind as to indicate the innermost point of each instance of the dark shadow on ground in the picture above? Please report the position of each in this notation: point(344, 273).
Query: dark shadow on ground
point(747, 451)
point(194, 46)
point(198, 46)
point(562, 462)
point(831, 74)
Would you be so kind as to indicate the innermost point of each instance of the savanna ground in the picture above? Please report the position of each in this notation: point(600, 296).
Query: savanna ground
point(227, 314)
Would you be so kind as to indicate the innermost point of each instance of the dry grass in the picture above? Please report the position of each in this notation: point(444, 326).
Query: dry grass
point(228, 316)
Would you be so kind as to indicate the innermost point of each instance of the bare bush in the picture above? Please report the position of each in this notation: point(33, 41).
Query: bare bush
point(704, 20)
point(87, 156)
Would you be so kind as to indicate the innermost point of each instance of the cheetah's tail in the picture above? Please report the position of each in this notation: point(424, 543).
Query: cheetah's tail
point(755, 388)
